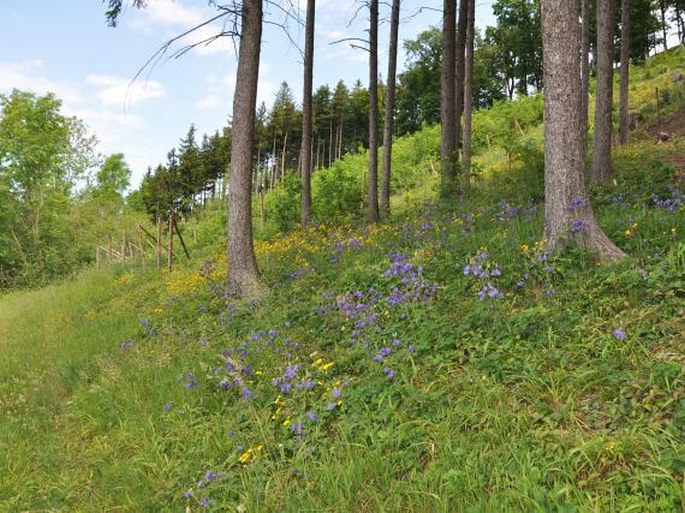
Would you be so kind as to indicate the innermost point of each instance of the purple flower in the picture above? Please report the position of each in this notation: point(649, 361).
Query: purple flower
point(205, 501)
point(331, 406)
point(187, 495)
point(312, 417)
point(246, 392)
point(168, 406)
point(297, 427)
point(412, 348)
point(210, 476)
point(389, 372)
point(619, 334)
point(396, 343)
point(337, 393)
point(290, 372)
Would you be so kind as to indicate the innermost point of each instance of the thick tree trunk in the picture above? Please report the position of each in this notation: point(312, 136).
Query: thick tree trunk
point(585, 69)
point(306, 149)
point(242, 264)
point(624, 121)
point(468, 95)
point(373, 112)
point(390, 108)
point(601, 151)
point(568, 214)
point(448, 138)
point(460, 64)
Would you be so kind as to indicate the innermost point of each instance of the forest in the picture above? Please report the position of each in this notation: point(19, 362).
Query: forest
point(458, 286)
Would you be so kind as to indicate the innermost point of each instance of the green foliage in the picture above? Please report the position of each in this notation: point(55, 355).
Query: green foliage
point(42, 156)
point(113, 177)
point(337, 191)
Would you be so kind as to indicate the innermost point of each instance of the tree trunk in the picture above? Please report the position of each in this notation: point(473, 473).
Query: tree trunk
point(242, 264)
point(390, 108)
point(585, 69)
point(664, 25)
point(330, 142)
point(568, 214)
point(601, 151)
point(468, 95)
point(306, 150)
point(460, 64)
point(283, 155)
point(623, 125)
point(448, 138)
point(373, 111)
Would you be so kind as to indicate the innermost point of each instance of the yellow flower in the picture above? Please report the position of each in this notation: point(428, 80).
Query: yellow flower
point(627, 233)
point(327, 366)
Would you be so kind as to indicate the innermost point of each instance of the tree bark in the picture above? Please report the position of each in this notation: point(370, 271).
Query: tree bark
point(468, 95)
point(306, 150)
point(460, 65)
point(242, 264)
point(448, 138)
point(601, 151)
point(624, 121)
point(373, 112)
point(568, 214)
point(388, 125)
point(585, 69)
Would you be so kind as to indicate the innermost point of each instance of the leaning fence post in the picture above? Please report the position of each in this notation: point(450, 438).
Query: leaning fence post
point(159, 242)
point(171, 242)
point(141, 247)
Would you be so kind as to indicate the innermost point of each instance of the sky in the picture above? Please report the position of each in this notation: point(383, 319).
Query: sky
point(65, 47)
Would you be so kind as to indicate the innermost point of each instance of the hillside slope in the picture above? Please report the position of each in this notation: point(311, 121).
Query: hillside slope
point(436, 362)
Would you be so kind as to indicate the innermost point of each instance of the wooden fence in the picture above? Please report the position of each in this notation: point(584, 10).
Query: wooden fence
point(141, 246)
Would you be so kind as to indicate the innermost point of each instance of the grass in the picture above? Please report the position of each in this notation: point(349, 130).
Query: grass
point(370, 376)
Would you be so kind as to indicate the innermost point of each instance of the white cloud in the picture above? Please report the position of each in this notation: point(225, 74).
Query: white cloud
point(116, 91)
point(23, 75)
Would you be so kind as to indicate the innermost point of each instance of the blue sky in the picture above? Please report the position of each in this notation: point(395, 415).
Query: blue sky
point(66, 48)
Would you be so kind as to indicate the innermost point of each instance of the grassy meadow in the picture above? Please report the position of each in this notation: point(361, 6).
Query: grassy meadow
point(439, 361)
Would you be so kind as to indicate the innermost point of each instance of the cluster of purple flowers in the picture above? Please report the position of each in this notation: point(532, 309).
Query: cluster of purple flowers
point(188, 380)
point(578, 226)
point(671, 203)
point(341, 246)
point(208, 478)
point(480, 269)
point(577, 203)
point(412, 286)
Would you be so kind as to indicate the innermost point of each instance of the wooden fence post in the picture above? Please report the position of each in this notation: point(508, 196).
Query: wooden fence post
point(159, 242)
point(171, 242)
point(141, 247)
